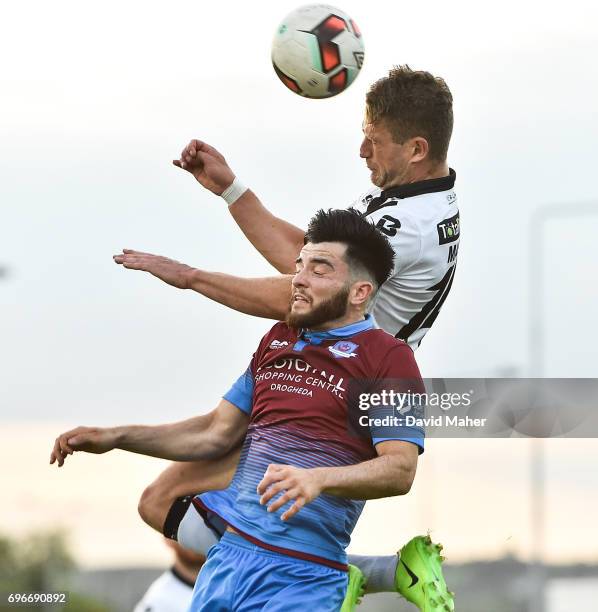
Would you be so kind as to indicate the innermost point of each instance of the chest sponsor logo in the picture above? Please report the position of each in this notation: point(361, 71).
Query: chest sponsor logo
point(304, 377)
point(448, 230)
point(278, 344)
point(343, 348)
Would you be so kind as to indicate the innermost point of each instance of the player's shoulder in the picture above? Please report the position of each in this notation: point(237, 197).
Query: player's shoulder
point(278, 336)
point(364, 199)
point(385, 340)
point(386, 213)
point(280, 330)
point(427, 222)
point(431, 206)
point(420, 202)
point(386, 355)
point(381, 342)
point(435, 199)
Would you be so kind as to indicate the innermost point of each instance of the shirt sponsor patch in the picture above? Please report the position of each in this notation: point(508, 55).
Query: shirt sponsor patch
point(448, 230)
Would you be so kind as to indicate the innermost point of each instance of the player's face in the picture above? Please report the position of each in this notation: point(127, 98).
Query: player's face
point(321, 286)
point(386, 159)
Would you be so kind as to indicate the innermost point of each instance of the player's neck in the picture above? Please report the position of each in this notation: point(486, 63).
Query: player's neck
point(347, 319)
point(417, 173)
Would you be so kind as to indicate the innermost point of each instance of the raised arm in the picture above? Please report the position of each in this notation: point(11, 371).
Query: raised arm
point(203, 437)
point(278, 241)
point(261, 297)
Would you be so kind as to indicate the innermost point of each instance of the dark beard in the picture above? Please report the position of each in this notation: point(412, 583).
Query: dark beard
point(331, 309)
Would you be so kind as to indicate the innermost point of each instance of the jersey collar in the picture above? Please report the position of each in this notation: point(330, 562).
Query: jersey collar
point(316, 337)
point(409, 190)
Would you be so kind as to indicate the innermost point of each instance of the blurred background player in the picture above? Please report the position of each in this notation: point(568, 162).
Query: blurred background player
point(407, 129)
point(172, 590)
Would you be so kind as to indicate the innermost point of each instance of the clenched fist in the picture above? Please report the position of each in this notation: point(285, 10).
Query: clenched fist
point(207, 165)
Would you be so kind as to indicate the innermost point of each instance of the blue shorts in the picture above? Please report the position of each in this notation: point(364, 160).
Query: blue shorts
point(242, 577)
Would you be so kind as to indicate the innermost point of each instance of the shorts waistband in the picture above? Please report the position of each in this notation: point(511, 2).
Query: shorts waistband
point(238, 541)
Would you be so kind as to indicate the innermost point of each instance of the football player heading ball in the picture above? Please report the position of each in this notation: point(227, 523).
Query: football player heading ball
point(407, 128)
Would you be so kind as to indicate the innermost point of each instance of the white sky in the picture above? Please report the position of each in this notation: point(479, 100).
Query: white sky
point(97, 98)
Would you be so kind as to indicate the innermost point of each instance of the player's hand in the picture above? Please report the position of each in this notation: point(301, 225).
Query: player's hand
point(89, 439)
point(207, 165)
point(170, 271)
point(300, 485)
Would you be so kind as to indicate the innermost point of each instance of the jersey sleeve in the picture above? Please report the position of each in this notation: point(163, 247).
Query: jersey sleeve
point(399, 391)
point(403, 233)
point(241, 393)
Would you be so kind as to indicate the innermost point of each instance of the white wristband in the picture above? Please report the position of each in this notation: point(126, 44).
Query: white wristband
point(233, 192)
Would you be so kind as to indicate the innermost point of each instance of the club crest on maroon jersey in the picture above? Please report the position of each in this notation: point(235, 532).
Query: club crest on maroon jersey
point(344, 348)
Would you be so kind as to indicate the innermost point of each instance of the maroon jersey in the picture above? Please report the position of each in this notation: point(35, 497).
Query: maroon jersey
point(303, 392)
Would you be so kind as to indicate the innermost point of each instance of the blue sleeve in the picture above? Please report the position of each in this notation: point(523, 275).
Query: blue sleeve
point(399, 372)
point(394, 426)
point(418, 439)
point(398, 430)
point(241, 393)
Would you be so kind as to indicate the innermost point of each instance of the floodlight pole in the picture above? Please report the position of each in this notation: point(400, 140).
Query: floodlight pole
point(537, 596)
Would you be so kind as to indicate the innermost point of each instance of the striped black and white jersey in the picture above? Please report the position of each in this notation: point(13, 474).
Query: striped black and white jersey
point(421, 221)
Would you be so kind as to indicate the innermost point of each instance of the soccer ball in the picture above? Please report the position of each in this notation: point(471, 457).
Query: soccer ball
point(317, 51)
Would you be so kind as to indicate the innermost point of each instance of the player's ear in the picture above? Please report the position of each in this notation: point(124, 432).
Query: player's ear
point(419, 148)
point(361, 292)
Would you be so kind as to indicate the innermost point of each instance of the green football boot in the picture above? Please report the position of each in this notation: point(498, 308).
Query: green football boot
point(355, 589)
point(419, 576)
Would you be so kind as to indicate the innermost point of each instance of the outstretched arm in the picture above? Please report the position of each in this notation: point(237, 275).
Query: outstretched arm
point(261, 297)
point(278, 241)
point(202, 437)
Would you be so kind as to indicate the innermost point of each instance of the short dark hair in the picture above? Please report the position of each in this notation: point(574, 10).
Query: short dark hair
point(413, 103)
point(367, 248)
